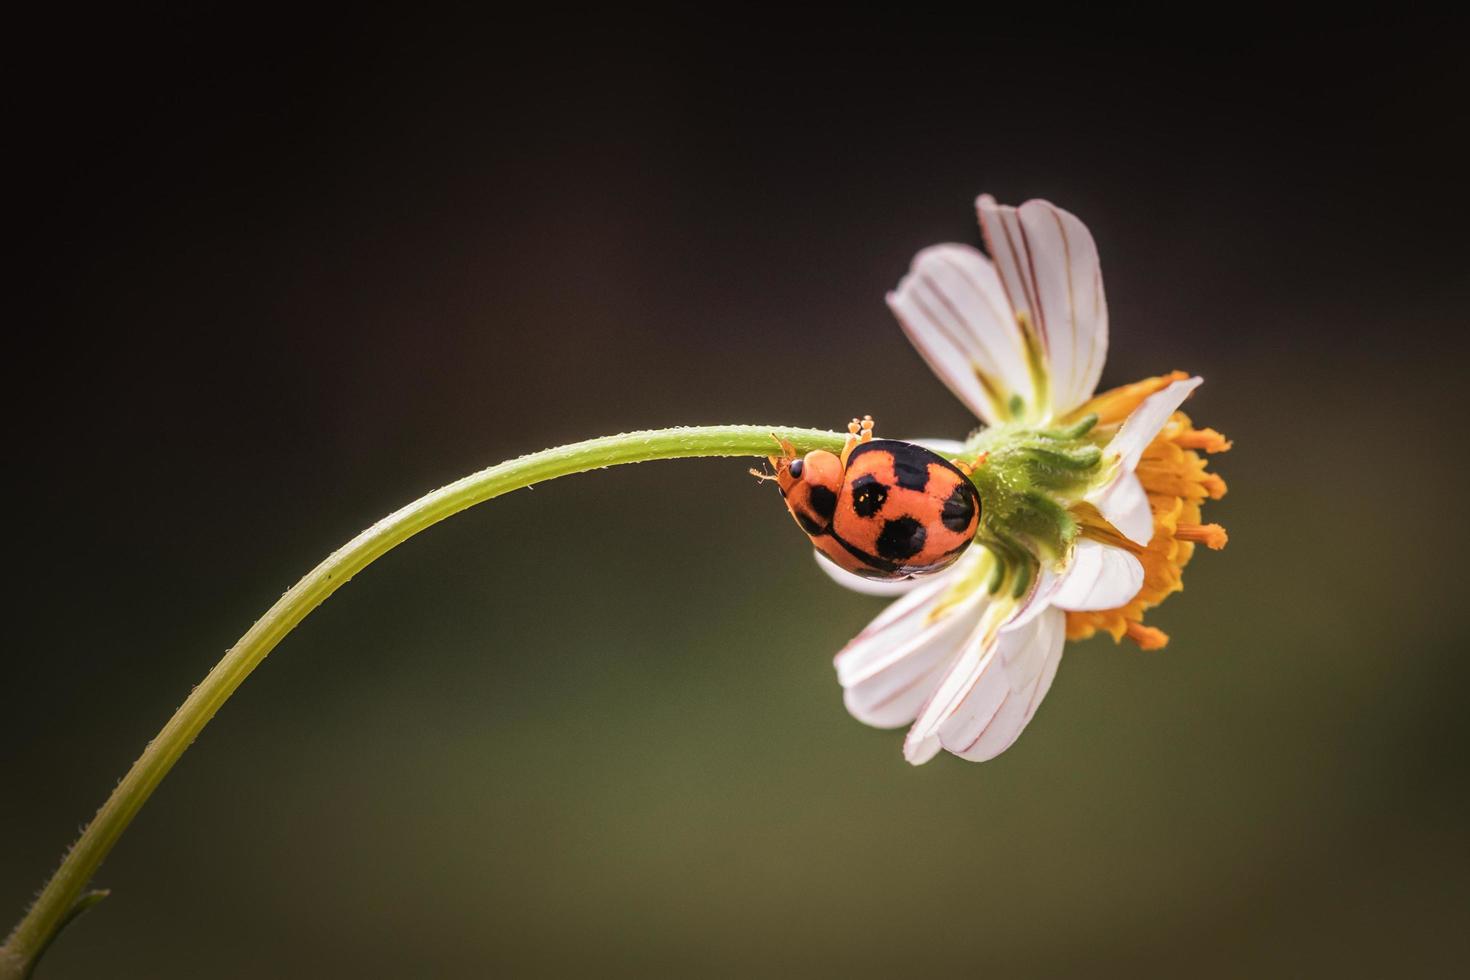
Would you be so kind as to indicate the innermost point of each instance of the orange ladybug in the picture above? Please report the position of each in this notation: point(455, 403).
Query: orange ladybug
point(883, 509)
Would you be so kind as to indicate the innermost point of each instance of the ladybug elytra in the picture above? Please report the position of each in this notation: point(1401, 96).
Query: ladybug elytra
point(883, 509)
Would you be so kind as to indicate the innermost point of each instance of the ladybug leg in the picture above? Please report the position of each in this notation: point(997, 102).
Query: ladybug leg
point(969, 468)
point(788, 453)
point(781, 464)
point(859, 431)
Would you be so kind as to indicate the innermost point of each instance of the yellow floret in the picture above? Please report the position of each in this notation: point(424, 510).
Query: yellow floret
point(1177, 481)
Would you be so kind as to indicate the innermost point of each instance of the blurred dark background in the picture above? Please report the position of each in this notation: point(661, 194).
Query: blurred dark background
point(280, 277)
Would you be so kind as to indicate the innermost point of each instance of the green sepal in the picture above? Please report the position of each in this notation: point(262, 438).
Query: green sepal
point(1028, 479)
point(1073, 432)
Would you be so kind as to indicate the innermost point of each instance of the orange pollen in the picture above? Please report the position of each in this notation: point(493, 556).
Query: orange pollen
point(1112, 407)
point(1147, 637)
point(1177, 479)
point(1212, 536)
point(1205, 440)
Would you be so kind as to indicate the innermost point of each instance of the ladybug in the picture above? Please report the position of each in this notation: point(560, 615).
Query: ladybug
point(882, 509)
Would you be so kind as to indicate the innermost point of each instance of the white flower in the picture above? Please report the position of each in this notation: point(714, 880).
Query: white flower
point(967, 655)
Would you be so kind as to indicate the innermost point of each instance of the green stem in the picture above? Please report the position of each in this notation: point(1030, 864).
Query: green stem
point(58, 901)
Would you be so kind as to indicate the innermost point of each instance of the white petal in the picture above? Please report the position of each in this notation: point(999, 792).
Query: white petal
point(1147, 420)
point(1036, 600)
point(891, 668)
point(995, 669)
point(948, 448)
point(976, 666)
point(922, 741)
point(917, 751)
point(867, 586)
point(1124, 504)
point(1019, 707)
point(1121, 499)
point(1049, 267)
point(1099, 576)
point(1019, 653)
point(1019, 661)
point(891, 690)
point(954, 310)
point(900, 622)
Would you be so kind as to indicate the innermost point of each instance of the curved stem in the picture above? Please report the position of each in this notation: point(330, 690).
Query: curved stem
point(59, 899)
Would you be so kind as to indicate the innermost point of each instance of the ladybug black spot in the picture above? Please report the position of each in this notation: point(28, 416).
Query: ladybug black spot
point(823, 501)
point(901, 538)
point(868, 494)
point(959, 509)
point(911, 466)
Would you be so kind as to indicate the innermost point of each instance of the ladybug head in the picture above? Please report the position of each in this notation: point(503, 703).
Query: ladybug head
point(810, 484)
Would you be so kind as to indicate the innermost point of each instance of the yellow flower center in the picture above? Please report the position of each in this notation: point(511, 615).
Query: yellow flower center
point(1174, 474)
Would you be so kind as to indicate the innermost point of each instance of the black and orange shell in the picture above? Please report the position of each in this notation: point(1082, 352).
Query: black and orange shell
point(899, 511)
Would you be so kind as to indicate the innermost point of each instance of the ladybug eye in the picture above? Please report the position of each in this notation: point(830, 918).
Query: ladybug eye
point(795, 468)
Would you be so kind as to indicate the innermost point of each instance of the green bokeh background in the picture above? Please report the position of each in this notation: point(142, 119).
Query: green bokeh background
point(593, 728)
